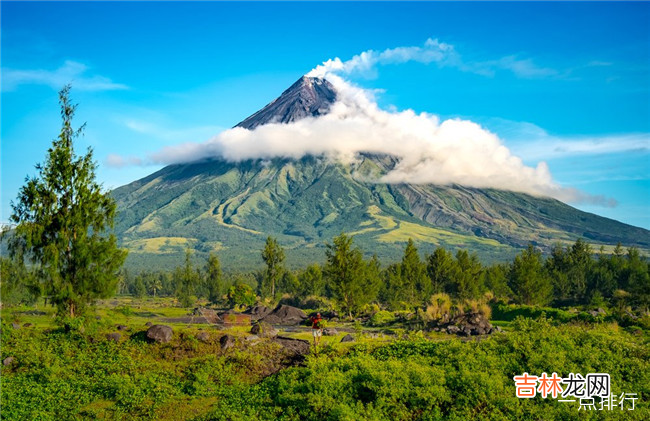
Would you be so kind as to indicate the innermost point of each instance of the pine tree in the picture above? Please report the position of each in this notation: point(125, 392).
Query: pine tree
point(186, 281)
point(440, 268)
point(353, 281)
point(213, 279)
point(62, 217)
point(529, 282)
point(273, 256)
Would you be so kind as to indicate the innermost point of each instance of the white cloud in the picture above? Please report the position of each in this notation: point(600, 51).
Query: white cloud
point(71, 72)
point(433, 51)
point(429, 151)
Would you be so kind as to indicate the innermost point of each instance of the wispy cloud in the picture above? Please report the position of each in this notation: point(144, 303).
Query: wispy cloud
point(533, 143)
point(433, 51)
point(71, 72)
point(117, 161)
point(161, 131)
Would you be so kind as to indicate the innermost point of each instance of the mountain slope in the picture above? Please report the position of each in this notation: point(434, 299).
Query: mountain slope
point(231, 207)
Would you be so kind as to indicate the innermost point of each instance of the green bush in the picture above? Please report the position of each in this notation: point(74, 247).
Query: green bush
point(382, 318)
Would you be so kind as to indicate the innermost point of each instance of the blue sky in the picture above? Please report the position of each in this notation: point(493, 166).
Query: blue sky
point(567, 83)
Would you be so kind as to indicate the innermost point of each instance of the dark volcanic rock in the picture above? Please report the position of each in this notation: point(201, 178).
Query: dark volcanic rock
point(264, 330)
point(227, 341)
point(115, 337)
point(27, 325)
point(294, 346)
point(348, 338)
point(258, 312)
point(308, 97)
point(467, 324)
point(285, 315)
point(122, 327)
point(160, 333)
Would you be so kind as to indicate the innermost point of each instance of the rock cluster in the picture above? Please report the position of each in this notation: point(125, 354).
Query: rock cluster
point(205, 315)
point(258, 312)
point(467, 324)
point(285, 315)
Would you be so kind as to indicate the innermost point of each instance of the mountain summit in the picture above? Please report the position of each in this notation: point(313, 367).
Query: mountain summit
point(231, 207)
point(308, 97)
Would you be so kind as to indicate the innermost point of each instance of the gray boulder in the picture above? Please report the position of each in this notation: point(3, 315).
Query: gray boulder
point(8, 361)
point(160, 333)
point(227, 341)
point(330, 331)
point(296, 347)
point(348, 338)
point(285, 315)
point(264, 330)
point(258, 312)
point(115, 337)
point(15, 325)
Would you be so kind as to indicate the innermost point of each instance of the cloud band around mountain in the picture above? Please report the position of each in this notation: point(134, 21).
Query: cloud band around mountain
point(429, 151)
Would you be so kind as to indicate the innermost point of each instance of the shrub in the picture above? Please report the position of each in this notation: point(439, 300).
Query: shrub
point(439, 309)
point(382, 318)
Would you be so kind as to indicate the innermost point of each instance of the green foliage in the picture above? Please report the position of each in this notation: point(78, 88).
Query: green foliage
point(241, 294)
point(407, 283)
point(186, 279)
point(496, 280)
point(353, 281)
point(62, 216)
point(529, 283)
point(311, 281)
point(213, 279)
point(18, 285)
point(382, 318)
point(273, 256)
point(466, 281)
point(440, 268)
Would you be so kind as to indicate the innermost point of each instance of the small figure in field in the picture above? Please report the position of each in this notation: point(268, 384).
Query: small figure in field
point(316, 328)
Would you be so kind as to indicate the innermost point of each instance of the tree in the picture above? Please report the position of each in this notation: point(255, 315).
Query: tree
point(440, 268)
point(311, 281)
point(413, 273)
point(273, 256)
point(62, 217)
point(241, 294)
point(213, 279)
point(17, 284)
point(186, 280)
point(154, 283)
point(407, 283)
point(354, 282)
point(139, 287)
point(528, 281)
point(467, 279)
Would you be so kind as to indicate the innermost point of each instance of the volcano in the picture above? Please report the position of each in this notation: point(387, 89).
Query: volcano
point(231, 207)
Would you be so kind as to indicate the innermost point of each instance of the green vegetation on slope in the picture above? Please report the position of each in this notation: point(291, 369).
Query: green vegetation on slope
point(303, 203)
